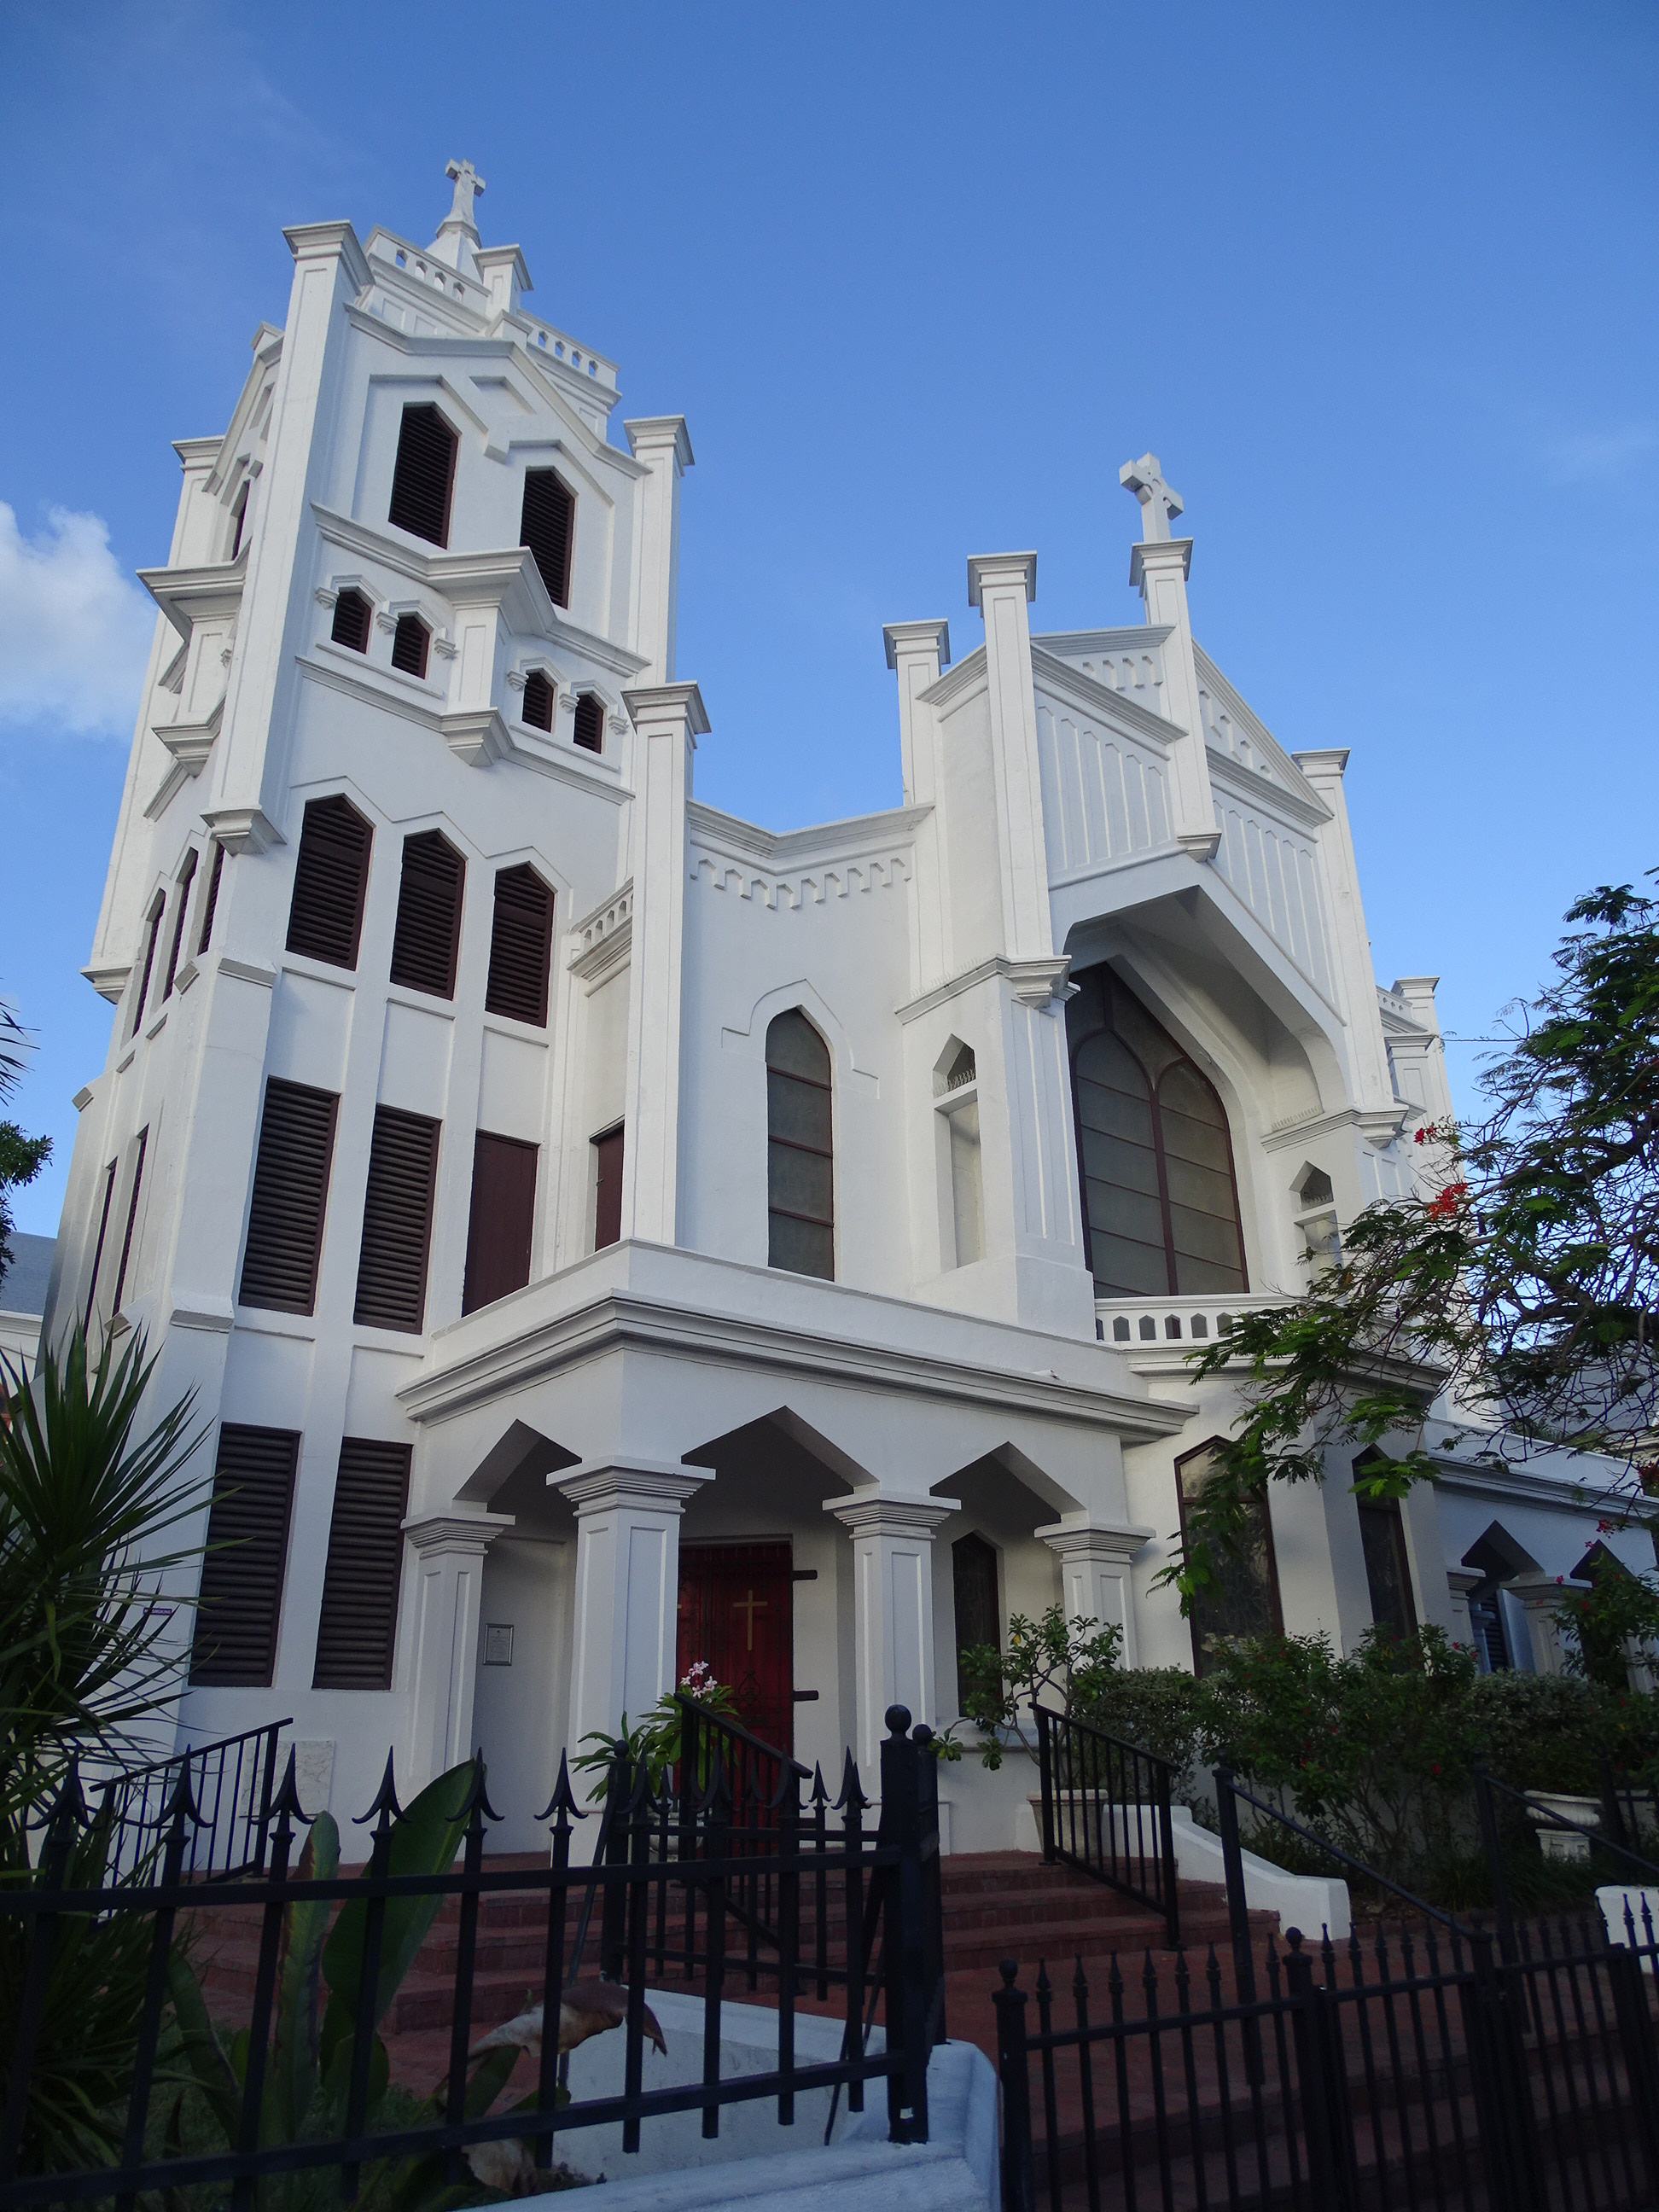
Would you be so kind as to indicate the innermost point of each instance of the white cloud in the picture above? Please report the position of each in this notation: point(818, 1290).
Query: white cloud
point(75, 630)
point(1600, 456)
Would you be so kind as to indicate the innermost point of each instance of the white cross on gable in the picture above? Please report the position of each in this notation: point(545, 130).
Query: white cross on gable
point(1158, 501)
point(468, 184)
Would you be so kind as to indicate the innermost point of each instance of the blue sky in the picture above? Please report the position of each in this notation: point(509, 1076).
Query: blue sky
point(1378, 285)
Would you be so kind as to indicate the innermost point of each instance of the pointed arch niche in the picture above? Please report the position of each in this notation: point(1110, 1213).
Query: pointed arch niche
point(1155, 1155)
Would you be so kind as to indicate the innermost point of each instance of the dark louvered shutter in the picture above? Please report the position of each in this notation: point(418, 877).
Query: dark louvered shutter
point(520, 947)
point(409, 642)
point(330, 879)
point(290, 1192)
point(607, 1189)
point(424, 473)
point(402, 1166)
point(240, 1602)
point(155, 914)
point(538, 701)
point(133, 1219)
point(182, 896)
point(590, 722)
point(241, 521)
point(503, 1209)
point(212, 906)
point(550, 510)
point(103, 1231)
point(357, 1631)
point(429, 934)
point(352, 613)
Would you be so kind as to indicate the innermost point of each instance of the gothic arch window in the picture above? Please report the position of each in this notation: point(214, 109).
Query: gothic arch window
point(1241, 1603)
point(1160, 1199)
point(800, 1149)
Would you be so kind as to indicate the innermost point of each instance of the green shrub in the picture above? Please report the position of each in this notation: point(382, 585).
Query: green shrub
point(1159, 1709)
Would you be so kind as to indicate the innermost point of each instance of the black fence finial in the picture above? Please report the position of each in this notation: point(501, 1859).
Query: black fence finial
point(561, 1808)
point(386, 1809)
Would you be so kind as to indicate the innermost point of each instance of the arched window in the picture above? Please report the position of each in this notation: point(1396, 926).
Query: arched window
point(589, 731)
point(800, 1151)
point(1160, 1203)
point(538, 701)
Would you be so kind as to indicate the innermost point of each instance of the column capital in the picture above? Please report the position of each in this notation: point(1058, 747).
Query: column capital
point(1112, 1540)
point(661, 1485)
point(891, 1516)
point(660, 434)
point(1461, 1580)
point(668, 707)
point(925, 641)
point(466, 1532)
point(993, 571)
point(1159, 558)
point(1324, 765)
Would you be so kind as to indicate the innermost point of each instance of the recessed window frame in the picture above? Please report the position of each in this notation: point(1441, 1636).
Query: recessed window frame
point(826, 1152)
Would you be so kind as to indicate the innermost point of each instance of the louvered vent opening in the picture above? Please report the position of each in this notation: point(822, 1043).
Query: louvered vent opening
point(429, 931)
point(241, 521)
point(538, 701)
point(550, 512)
point(423, 476)
point(503, 1212)
point(103, 1231)
point(241, 1599)
point(590, 722)
point(410, 643)
point(212, 906)
point(133, 1219)
point(290, 1192)
point(330, 879)
point(521, 946)
point(607, 1189)
point(356, 1634)
point(181, 901)
point(403, 1164)
point(153, 932)
point(352, 616)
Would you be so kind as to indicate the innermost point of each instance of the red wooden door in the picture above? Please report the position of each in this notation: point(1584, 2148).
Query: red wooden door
point(737, 1614)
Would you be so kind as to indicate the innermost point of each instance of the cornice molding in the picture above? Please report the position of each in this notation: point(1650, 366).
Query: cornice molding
point(1222, 687)
point(1130, 637)
point(1101, 702)
point(187, 595)
point(1376, 1125)
point(1117, 1540)
point(601, 1486)
point(657, 430)
point(1265, 795)
point(958, 682)
point(244, 829)
point(604, 938)
point(667, 704)
point(856, 837)
point(108, 978)
point(916, 637)
point(321, 240)
point(882, 1515)
point(1034, 983)
point(1164, 553)
point(994, 569)
point(471, 1535)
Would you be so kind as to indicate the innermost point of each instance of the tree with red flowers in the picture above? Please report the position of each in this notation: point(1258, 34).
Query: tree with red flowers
point(1519, 1289)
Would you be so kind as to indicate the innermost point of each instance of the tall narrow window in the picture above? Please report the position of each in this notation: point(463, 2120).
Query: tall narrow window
point(410, 643)
point(103, 1231)
point(547, 527)
point(1242, 1603)
point(241, 520)
point(1159, 1198)
point(181, 895)
point(152, 932)
point(357, 1631)
point(132, 1220)
point(538, 701)
point(426, 939)
point(1387, 1567)
point(402, 1168)
point(330, 878)
point(800, 1165)
point(520, 947)
point(424, 476)
point(212, 905)
point(979, 1614)
point(290, 1195)
point(352, 617)
point(590, 722)
point(607, 1189)
point(239, 1601)
point(499, 1226)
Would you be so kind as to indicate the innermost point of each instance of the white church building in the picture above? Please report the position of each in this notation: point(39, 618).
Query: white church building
point(600, 1232)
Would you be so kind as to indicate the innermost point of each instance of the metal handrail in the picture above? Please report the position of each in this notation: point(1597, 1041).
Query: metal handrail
point(1165, 1898)
point(1336, 1851)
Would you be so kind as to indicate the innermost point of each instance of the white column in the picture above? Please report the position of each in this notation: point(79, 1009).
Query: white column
point(1095, 1581)
point(1350, 939)
point(1539, 1597)
point(916, 651)
point(1000, 584)
point(893, 1610)
point(667, 723)
point(449, 1549)
point(661, 444)
point(1459, 1581)
point(627, 1581)
point(1160, 571)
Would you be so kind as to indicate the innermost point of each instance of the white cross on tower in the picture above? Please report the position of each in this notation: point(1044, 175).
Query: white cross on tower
point(468, 184)
point(1158, 500)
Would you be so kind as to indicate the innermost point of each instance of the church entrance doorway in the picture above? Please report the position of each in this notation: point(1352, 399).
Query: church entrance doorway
point(737, 1614)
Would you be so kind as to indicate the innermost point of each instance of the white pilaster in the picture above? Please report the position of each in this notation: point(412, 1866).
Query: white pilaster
point(1356, 979)
point(893, 1614)
point(449, 1554)
point(1459, 1581)
point(1539, 1597)
point(917, 651)
point(1094, 1558)
point(1001, 585)
point(628, 1576)
point(667, 722)
point(660, 442)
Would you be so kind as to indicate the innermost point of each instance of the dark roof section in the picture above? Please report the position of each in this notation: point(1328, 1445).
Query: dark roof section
point(23, 1286)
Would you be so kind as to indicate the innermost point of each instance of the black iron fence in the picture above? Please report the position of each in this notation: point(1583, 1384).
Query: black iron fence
point(1106, 1811)
point(693, 1888)
point(232, 1784)
point(1434, 2061)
